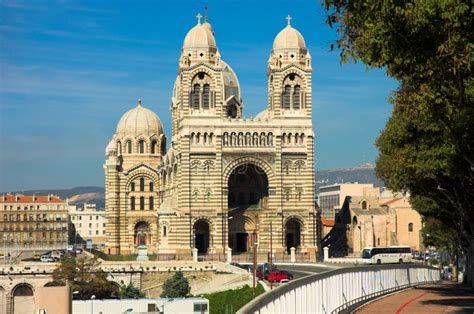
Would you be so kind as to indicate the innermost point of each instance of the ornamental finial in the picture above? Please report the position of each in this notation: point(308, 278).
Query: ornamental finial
point(199, 16)
point(288, 18)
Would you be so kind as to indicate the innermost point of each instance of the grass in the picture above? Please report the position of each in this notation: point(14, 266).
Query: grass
point(230, 301)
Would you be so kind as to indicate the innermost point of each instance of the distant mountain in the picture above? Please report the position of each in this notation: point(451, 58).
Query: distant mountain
point(362, 174)
point(76, 196)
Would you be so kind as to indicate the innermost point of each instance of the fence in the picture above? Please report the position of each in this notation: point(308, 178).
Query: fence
point(337, 290)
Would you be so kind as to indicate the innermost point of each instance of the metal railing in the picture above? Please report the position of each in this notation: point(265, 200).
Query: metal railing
point(337, 290)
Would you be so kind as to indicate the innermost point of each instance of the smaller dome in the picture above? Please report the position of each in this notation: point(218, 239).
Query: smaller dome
point(289, 38)
point(207, 25)
point(139, 121)
point(200, 36)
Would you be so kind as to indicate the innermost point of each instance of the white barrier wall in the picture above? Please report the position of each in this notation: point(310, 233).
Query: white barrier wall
point(336, 290)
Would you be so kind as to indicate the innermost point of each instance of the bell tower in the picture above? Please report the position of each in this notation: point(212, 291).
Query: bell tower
point(289, 75)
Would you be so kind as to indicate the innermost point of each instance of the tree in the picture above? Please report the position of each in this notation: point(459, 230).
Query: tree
point(84, 276)
point(176, 287)
point(427, 146)
point(130, 292)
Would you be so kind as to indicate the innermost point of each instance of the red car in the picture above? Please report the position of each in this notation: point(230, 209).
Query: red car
point(276, 276)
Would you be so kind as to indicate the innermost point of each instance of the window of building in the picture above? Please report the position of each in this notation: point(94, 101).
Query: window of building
point(287, 97)
point(164, 231)
point(103, 225)
point(297, 97)
point(132, 203)
point(97, 232)
point(80, 217)
point(151, 200)
point(132, 186)
point(205, 97)
point(141, 145)
point(364, 204)
point(142, 203)
point(151, 187)
point(195, 95)
point(90, 225)
point(410, 227)
point(142, 184)
point(96, 217)
point(153, 147)
point(129, 147)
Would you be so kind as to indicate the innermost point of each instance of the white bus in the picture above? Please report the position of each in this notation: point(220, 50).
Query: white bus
point(386, 255)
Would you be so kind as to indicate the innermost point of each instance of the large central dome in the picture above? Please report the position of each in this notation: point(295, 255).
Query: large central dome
point(200, 36)
point(139, 121)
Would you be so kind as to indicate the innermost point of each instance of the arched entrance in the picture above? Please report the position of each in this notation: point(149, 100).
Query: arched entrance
point(292, 234)
point(201, 236)
point(247, 192)
point(23, 299)
point(141, 234)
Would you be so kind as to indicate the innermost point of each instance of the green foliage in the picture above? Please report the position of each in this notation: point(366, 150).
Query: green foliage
point(84, 276)
point(130, 292)
point(176, 287)
point(427, 146)
point(236, 298)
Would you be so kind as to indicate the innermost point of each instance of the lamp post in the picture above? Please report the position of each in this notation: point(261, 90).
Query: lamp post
point(92, 304)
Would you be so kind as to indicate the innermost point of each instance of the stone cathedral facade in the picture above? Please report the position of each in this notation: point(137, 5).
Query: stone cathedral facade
point(225, 181)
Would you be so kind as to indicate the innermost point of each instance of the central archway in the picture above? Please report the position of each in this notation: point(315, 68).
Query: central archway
point(247, 192)
point(201, 236)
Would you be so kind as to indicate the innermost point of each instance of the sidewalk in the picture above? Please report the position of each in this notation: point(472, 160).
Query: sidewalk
point(446, 297)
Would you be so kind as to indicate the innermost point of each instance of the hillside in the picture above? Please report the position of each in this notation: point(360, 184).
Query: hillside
point(361, 174)
point(76, 195)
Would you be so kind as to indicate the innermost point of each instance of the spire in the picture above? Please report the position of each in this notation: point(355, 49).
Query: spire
point(139, 102)
point(199, 16)
point(288, 18)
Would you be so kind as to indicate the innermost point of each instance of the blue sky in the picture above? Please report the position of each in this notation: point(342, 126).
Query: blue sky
point(70, 69)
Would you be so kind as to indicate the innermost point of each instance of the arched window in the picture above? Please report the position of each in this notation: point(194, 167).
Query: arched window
point(205, 97)
point(142, 184)
point(132, 186)
point(286, 98)
point(132, 203)
point(153, 147)
point(129, 147)
point(141, 145)
point(151, 200)
point(364, 205)
point(164, 231)
point(119, 147)
point(410, 227)
point(296, 97)
point(195, 97)
point(142, 203)
point(151, 186)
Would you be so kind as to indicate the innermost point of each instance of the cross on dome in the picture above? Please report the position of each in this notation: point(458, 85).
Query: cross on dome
point(199, 16)
point(288, 18)
point(139, 102)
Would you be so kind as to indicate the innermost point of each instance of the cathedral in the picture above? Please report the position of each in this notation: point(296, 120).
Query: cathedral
point(223, 182)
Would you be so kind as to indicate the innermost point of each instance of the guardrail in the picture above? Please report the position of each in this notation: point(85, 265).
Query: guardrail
point(337, 290)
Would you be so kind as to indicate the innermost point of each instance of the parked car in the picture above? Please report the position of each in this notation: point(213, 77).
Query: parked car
point(289, 274)
point(46, 258)
point(276, 276)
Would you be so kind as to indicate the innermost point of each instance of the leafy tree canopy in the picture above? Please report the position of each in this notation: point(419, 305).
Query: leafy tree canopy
point(427, 146)
point(84, 276)
point(130, 292)
point(176, 287)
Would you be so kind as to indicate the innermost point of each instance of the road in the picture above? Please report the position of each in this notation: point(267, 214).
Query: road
point(300, 271)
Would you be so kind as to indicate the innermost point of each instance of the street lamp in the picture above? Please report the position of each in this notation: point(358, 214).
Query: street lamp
point(92, 304)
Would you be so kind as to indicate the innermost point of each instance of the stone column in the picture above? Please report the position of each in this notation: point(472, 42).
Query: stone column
point(326, 254)
point(293, 254)
point(229, 255)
